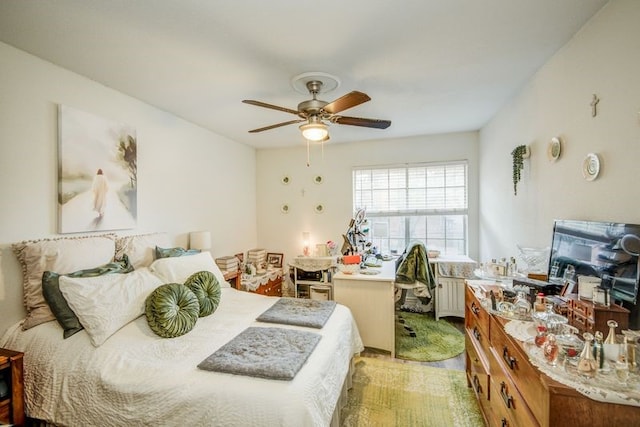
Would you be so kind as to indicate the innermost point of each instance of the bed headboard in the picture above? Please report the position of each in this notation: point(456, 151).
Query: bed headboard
point(11, 298)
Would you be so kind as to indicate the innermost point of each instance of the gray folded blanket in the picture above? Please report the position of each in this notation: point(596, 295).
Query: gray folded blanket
point(299, 312)
point(271, 353)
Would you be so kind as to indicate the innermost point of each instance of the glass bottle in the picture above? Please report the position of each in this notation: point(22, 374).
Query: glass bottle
point(522, 305)
point(611, 336)
point(598, 349)
point(622, 364)
point(587, 365)
point(550, 350)
point(630, 342)
point(541, 336)
point(610, 343)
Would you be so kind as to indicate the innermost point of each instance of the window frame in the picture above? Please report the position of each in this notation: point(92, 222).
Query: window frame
point(409, 214)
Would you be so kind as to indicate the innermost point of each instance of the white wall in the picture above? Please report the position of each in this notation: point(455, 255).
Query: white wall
point(280, 232)
point(188, 178)
point(603, 58)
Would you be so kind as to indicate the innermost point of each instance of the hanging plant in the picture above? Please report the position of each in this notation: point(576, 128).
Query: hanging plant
point(519, 153)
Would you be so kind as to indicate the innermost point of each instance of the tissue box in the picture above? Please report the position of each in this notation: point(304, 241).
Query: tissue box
point(351, 259)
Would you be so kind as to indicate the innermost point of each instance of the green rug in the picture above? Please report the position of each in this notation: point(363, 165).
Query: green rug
point(434, 341)
point(389, 394)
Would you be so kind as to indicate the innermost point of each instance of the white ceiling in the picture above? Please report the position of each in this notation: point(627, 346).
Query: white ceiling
point(430, 66)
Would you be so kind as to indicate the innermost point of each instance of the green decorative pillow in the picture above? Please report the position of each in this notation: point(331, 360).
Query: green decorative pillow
point(207, 288)
point(58, 304)
point(172, 310)
point(174, 252)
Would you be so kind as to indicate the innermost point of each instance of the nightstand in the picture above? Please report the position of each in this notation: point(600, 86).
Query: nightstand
point(269, 283)
point(12, 405)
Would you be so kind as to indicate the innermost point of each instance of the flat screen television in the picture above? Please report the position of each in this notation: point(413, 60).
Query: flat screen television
point(603, 249)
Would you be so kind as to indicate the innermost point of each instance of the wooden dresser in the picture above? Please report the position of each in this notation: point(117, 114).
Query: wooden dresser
point(512, 392)
point(12, 405)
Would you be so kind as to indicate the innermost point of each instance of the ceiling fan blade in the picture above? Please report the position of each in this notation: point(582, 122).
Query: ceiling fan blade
point(347, 101)
point(273, 107)
point(357, 121)
point(290, 122)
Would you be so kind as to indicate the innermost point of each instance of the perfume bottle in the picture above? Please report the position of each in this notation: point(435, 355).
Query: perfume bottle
point(598, 349)
point(587, 365)
point(541, 336)
point(611, 336)
point(610, 343)
point(522, 305)
point(550, 350)
point(630, 342)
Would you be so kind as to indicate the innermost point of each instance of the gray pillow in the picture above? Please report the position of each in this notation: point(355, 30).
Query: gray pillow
point(207, 289)
point(58, 304)
point(174, 252)
point(172, 310)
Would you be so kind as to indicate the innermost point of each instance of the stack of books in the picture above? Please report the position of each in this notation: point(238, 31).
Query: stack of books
point(227, 263)
point(257, 257)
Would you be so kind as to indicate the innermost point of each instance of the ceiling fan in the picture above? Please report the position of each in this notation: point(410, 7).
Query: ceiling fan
point(317, 113)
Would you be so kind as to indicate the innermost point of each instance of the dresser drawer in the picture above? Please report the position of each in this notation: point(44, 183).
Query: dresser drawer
point(475, 312)
point(508, 404)
point(583, 309)
point(477, 373)
point(507, 357)
point(478, 335)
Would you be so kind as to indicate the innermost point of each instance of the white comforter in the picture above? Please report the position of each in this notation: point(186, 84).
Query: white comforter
point(137, 378)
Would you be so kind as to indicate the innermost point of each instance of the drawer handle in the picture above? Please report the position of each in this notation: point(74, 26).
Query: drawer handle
point(508, 400)
point(511, 361)
point(475, 309)
point(476, 385)
point(476, 333)
point(504, 423)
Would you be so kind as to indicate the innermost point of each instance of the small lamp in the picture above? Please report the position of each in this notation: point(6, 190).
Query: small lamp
point(200, 240)
point(305, 243)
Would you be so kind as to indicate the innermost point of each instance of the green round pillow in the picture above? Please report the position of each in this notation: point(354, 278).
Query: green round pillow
point(207, 288)
point(172, 310)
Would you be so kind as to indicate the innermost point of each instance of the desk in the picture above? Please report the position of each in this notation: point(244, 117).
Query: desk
point(371, 301)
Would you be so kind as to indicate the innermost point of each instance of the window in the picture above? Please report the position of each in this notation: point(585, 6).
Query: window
point(424, 202)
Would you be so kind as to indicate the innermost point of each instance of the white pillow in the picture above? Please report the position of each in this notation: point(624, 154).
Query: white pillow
point(178, 269)
point(106, 303)
point(61, 255)
point(140, 248)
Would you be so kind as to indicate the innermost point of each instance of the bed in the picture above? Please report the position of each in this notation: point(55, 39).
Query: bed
point(135, 377)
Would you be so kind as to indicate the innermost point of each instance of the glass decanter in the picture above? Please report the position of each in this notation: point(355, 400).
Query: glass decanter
point(552, 321)
point(587, 365)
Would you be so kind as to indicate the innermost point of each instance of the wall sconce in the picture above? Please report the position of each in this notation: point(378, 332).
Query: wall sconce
point(305, 243)
point(200, 240)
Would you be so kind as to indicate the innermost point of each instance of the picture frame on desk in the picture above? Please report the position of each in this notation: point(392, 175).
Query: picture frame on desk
point(274, 259)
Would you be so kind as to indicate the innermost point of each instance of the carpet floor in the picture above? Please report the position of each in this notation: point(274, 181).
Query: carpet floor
point(393, 394)
point(434, 340)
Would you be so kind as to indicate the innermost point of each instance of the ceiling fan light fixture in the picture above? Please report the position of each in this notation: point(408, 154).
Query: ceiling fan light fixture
point(315, 131)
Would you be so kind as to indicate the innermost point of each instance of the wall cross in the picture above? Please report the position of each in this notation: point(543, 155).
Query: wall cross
point(594, 105)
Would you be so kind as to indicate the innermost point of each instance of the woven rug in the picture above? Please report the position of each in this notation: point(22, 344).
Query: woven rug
point(434, 340)
point(391, 394)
